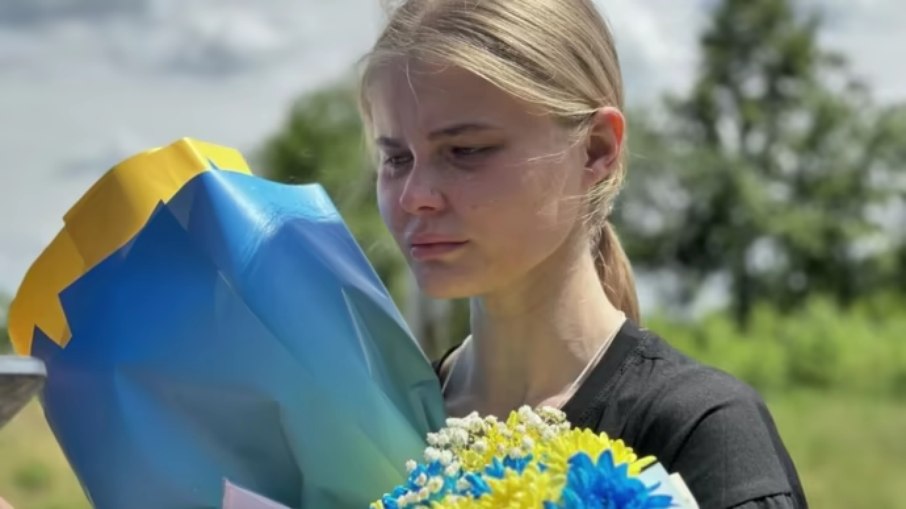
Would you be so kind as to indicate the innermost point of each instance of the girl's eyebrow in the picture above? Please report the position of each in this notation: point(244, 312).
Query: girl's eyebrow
point(457, 129)
point(444, 132)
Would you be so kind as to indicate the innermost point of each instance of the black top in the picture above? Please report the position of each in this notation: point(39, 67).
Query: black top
point(699, 421)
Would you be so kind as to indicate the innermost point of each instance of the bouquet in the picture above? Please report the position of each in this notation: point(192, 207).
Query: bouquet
point(534, 459)
point(200, 324)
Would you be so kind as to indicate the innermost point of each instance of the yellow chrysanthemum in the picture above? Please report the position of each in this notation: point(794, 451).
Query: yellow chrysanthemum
point(556, 453)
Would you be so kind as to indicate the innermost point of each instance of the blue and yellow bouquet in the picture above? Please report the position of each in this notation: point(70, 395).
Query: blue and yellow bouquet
point(534, 459)
point(205, 328)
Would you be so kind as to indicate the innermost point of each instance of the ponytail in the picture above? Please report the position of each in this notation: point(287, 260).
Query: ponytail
point(615, 272)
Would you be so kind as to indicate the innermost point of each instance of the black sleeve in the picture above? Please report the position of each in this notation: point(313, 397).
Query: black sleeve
point(720, 437)
point(772, 502)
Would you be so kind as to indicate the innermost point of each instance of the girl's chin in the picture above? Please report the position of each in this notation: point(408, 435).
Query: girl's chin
point(438, 286)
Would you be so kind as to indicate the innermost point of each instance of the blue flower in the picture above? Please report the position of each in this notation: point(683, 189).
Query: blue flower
point(603, 485)
point(497, 469)
point(418, 479)
point(478, 486)
point(517, 464)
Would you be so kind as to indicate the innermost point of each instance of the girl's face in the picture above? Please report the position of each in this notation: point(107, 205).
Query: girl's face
point(478, 188)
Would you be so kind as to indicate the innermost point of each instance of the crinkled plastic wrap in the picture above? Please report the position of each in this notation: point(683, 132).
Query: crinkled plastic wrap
point(238, 334)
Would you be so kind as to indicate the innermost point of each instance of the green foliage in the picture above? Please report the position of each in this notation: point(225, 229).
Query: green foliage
point(849, 451)
point(776, 171)
point(32, 477)
point(322, 141)
point(822, 347)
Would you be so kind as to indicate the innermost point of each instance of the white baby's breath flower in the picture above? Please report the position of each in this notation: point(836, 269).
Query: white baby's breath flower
point(435, 484)
point(421, 480)
point(476, 424)
point(410, 466)
point(459, 437)
point(432, 454)
point(452, 469)
point(552, 415)
point(406, 500)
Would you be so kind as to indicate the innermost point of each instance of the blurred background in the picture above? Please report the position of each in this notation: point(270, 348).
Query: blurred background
point(764, 211)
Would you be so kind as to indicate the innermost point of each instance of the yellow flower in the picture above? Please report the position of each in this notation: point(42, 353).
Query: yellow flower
point(556, 453)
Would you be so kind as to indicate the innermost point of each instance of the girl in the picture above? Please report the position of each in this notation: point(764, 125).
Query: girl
point(501, 146)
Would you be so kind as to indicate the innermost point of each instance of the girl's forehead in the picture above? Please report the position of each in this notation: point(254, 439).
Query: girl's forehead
point(434, 86)
point(426, 95)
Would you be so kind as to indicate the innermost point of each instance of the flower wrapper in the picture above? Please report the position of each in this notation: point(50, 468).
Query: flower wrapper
point(239, 334)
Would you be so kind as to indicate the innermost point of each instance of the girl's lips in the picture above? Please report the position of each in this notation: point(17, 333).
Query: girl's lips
point(434, 250)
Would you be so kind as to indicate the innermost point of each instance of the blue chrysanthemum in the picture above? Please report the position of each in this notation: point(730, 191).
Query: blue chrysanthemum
point(418, 479)
point(603, 485)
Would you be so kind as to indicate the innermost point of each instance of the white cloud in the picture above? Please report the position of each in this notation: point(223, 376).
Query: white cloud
point(96, 160)
point(870, 33)
point(39, 12)
point(656, 41)
point(212, 38)
point(209, 38)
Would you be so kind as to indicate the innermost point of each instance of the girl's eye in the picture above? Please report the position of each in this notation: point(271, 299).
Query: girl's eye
point(396, 163)
point(465, 152)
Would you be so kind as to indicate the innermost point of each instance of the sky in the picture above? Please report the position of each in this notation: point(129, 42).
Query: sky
point(87, 83)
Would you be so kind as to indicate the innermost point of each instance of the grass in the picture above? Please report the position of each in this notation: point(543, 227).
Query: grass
point(34, 473)
point(849, 452)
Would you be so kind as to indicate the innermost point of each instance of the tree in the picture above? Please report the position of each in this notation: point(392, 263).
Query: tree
point(767, 171)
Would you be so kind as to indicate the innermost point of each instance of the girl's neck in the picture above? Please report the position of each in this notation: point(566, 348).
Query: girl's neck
point(531, 342)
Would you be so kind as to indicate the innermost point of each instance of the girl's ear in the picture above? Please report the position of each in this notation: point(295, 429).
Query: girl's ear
point(603, 144)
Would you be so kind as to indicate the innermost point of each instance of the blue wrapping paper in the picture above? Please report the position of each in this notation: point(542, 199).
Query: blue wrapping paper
point(241, 334)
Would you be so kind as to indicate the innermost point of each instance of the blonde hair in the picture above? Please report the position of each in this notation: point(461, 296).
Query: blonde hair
point(556, 54)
